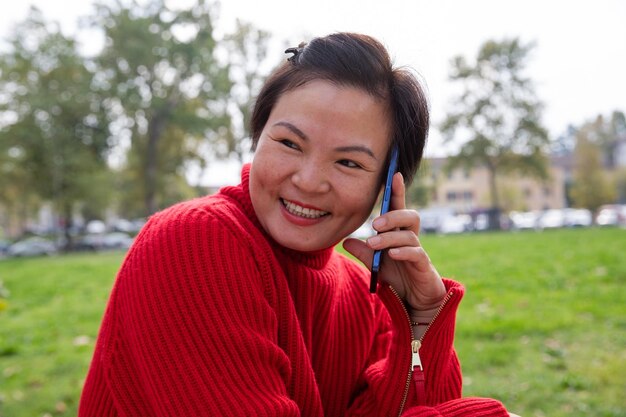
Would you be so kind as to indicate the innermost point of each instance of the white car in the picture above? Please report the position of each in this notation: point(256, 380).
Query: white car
point(116, 240)
point(577, 217)
point(456, 224)
point(611, 215)
point(551, 219)
point(527, 220)
point(33, 246)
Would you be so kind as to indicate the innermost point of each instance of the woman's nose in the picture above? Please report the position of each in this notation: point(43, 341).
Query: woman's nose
point(310, 178)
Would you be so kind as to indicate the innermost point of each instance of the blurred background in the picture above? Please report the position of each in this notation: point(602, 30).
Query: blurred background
point(113, 110)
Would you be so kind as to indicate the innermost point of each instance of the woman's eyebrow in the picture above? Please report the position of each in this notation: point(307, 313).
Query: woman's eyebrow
point(293, 128)
point(303, 136)
point(356, 148)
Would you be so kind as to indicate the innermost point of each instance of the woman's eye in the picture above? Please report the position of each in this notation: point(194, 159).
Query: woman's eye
point(348, 163)
point(289, 144)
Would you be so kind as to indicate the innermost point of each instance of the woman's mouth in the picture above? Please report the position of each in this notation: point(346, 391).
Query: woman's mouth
point(306, 212)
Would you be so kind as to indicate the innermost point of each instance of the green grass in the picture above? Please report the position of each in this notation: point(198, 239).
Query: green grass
point(47, 333)
point(542, 326)
point(543, 323)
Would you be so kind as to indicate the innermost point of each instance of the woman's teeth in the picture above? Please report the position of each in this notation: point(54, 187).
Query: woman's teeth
point(303, 211)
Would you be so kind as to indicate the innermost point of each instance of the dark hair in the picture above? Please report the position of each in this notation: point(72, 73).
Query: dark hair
point(359, 61)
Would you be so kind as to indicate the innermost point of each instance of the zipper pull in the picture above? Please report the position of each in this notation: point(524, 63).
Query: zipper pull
point(415, 356)
point(419, 379)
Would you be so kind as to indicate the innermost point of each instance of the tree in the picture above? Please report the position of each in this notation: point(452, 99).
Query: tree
point(55, 140)
point(18, 201)
point(592, 185)
point(608, 134)
point(422, 188)
point(247, 50)
point(597, 177)
point(167, 90)
point(496, 117)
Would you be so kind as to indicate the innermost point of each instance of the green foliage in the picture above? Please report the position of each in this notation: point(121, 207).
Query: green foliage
point(419, 193)
point(54, 143)
point(125, 128)
point(542, 326)
point(247, 48)
point(608, 134)
point(164, 86)
point(592, 186)
point(496, 117)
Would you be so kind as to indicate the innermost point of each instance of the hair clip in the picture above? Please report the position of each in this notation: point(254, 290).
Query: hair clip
point(294, 57)
point(296, 53)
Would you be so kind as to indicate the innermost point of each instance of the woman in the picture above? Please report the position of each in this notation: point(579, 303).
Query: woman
point(237, 304)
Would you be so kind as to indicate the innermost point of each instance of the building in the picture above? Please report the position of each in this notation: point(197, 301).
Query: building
point(468, 191)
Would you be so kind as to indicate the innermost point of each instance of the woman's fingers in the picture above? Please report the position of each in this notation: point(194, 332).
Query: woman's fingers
point(417, 256)
point(398, 192)
point(393, 239)
point(359, 250)
point(398, 219)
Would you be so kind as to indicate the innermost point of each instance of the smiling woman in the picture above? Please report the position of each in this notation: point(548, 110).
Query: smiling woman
point(321, 147)
point(237, 303)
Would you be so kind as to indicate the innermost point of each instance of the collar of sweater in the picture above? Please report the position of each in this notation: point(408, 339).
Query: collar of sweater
point(241, 194)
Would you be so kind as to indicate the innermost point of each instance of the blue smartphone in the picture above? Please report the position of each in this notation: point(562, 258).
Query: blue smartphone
point(384, 208)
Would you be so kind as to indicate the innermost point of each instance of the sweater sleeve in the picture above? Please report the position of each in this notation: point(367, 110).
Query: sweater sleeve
point(388, 377)
point(191, 328)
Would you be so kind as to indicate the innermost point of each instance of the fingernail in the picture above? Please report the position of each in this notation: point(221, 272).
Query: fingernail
point(373, 241)
point(379, 222)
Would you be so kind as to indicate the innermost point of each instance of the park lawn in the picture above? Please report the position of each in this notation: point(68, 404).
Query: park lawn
point(543, 323)
point(542, 326)
point(48, 331)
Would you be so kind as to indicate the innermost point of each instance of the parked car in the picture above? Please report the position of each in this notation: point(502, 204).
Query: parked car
point(89, 242)
point(131, 227)
point(116, 240)
point(4, 247)
point(551, 219)
point(456, 224)
point(524, 220)
point(103, 241)
point(33, 246)
point(577, 217)
point(95, 226)
point(432, 218)
point(611, 215)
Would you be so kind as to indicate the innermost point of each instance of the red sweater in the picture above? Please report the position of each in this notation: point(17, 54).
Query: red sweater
point(209, 316)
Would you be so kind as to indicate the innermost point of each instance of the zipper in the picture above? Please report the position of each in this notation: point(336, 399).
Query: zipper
point(443, 304)
point(417, 369)
point(418, 376)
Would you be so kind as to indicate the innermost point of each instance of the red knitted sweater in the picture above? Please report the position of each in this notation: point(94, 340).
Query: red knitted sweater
point(209, 317)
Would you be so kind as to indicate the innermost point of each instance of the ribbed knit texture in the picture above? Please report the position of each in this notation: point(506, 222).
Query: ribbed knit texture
point(210, 317)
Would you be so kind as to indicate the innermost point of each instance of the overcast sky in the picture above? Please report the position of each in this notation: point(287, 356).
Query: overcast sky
point(578, 65)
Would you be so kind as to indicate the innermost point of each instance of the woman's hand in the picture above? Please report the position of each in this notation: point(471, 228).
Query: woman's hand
point(405, 265)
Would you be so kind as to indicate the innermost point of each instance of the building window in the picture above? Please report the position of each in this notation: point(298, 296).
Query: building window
point(468, 196)
point(451, 196)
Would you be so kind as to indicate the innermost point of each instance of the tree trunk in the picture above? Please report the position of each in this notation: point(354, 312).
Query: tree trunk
point(67, 227)
point(494, 212)
point(154, 133)
point(156, 126)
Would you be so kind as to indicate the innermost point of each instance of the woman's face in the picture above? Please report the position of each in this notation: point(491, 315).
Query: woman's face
point(315, 174)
